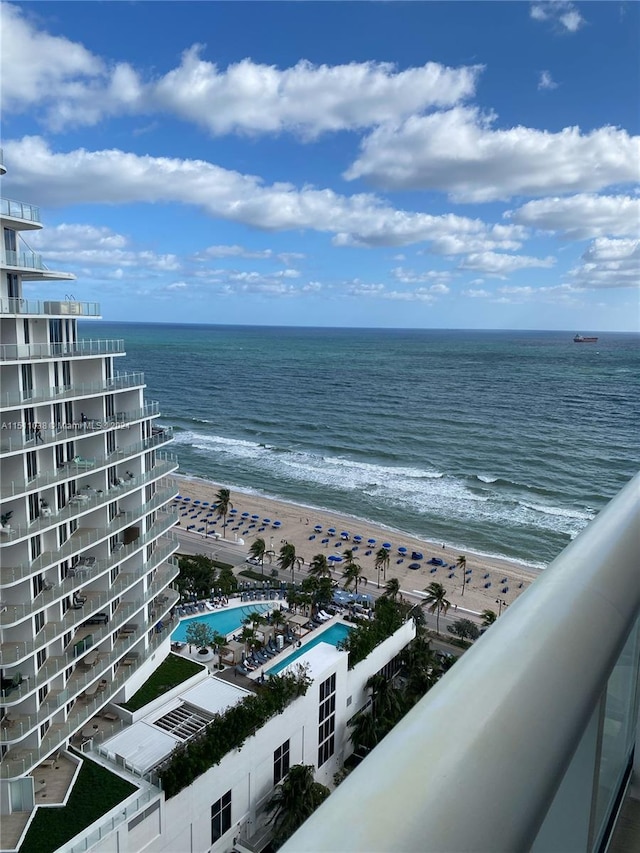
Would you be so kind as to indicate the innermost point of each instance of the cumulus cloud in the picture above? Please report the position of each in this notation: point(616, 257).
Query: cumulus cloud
point(235, 251)
point(380, 291)
point(412, 277)
point(495, 264)
point(608, 264)
point(546, 81)
point(460, 152)
point(583, 216)
point(71, 86)
point(116, 177)
point(562, 14)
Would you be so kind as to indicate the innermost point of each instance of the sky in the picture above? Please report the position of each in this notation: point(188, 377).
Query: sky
point(412, 165)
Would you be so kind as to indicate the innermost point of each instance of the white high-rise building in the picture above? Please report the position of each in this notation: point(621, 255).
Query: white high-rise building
point(85, 544)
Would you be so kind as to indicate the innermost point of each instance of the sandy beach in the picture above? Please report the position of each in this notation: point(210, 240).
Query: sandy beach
point(298, 523)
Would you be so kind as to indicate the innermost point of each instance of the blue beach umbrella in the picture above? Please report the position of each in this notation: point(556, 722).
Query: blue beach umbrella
point(334, 558)
point(331, 531)
point(205, 503)
point(245, 515)
point(371, 541)
point(357, 538)
point(277, 523)
point(324, 541)
point(386, 545)
point(266, 521)
point(178, 497)
point(345, 534)
point(255, 518)
point(186, 499)
point(196, 502)
point(233, 511)
point(318, 528)
point(402, 550)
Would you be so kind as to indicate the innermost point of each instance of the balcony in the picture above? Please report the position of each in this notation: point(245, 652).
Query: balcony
point(74, 468)
point(84, 676)
point(21, 260)
point(19, 210)
point(527, 743)
point(84, 538)
point(17, 761)
point(14, 306)
point(53, 394)
point(14, 652)
point(76, 510)
point(78, 431)
point(80, 349)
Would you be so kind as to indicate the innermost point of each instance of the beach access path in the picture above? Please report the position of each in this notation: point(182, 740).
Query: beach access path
point(297, 526)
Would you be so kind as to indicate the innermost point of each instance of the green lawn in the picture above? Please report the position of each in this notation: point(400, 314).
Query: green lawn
point(173, 670)
point(53, 827)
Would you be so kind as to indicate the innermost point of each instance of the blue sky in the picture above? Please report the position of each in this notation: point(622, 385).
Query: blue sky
point(445, 165)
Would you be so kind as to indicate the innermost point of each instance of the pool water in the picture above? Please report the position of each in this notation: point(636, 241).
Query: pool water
point(222, 621)
point(332, 635)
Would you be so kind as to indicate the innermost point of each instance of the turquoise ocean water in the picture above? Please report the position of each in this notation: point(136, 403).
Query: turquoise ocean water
point(505, 443)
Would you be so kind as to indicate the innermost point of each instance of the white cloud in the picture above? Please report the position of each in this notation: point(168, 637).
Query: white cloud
point(459, 151)
point(380, 291)
point(495, 264)
point(116, 177)
point(561, 13)
point(412, 277)
point(546, 81)
point(177, 285)
point(583, 216)
point(233, 252)
point(608, 264)
point(476, 293)
point(71, 86)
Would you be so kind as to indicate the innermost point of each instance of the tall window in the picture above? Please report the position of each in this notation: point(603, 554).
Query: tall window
point(327, 720)
point(13, 289)
point(27, 381)
point(281, 762)
point(221, 817)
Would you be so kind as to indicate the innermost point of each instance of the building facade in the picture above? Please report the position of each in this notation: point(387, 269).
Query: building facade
point(85, 540)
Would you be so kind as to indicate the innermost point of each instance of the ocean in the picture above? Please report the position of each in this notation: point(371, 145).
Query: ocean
point(499, 442)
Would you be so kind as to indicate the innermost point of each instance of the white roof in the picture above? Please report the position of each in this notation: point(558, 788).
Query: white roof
point(141, 745)
point(214, 695)
point(319, 658)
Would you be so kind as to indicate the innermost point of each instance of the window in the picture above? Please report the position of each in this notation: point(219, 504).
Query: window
point(327, 720)
point(13, 290)
point(32, 465)
point(39, 621)
point(27, 381)
point(221, 817)
point(281, 762)
point(66, 374)
point(109, 405)
point(29, 427)
point(35, 546)
point(34, 507)
point(111, 442)
point(41, 658)
point(25, 323)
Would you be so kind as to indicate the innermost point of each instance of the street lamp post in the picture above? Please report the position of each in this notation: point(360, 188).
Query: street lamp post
point(501, 603)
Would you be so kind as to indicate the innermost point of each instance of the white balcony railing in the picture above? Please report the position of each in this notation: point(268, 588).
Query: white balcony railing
point(24, 260)
point(18, 352)
point(55, 394)
point(64, 308)
point(519, 721)
point(19, 210)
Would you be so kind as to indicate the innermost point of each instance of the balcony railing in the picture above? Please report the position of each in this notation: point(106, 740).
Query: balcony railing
point(80, 541)
point(514, 733)
point(49, 308)
point(17, 761)
point(77, 431)
point(18, 352)
point(108, 826)
point(84, 467)
point(12, 652)
point(54, 394)
point(24, 260)
point(77, 510)
point(81, 679)
point(19, 210)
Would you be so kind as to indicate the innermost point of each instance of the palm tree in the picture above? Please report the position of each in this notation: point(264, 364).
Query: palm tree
point(257, 550)
point(294, 799)
point(365, 733)
point(382, 562)
point(353, 575)
point(287, 559)
point(319, 567)
point(461, 563)
point(386, 702)
point(392, 589)
point(488, 618)
point(223, 505)
point(437, 601)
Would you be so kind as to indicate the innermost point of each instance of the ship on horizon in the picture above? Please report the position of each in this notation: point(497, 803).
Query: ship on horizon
point(581, 339)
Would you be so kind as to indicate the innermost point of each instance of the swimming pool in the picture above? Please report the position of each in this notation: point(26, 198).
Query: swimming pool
point(222, 621)
point(332, 635)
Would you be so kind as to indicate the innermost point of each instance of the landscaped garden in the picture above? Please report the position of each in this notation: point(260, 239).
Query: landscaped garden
point(172, 671)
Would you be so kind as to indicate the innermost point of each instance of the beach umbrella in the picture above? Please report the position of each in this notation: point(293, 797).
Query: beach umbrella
point(233, 511)
point(402, 550)
point(371, 541)
point(196, 502)
point(357, 538)
point(338, 544)
point(331, 531)
point(186, 499)
point(266, 521)
point(277, 523)
point(324, 541)
point(178, 497)
point(255, 518)
point(318, 528)
point(245, 515)
point(414, 565)
point(334, 558)
point(205, 503)
point(345, 534)
point(386, 545)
